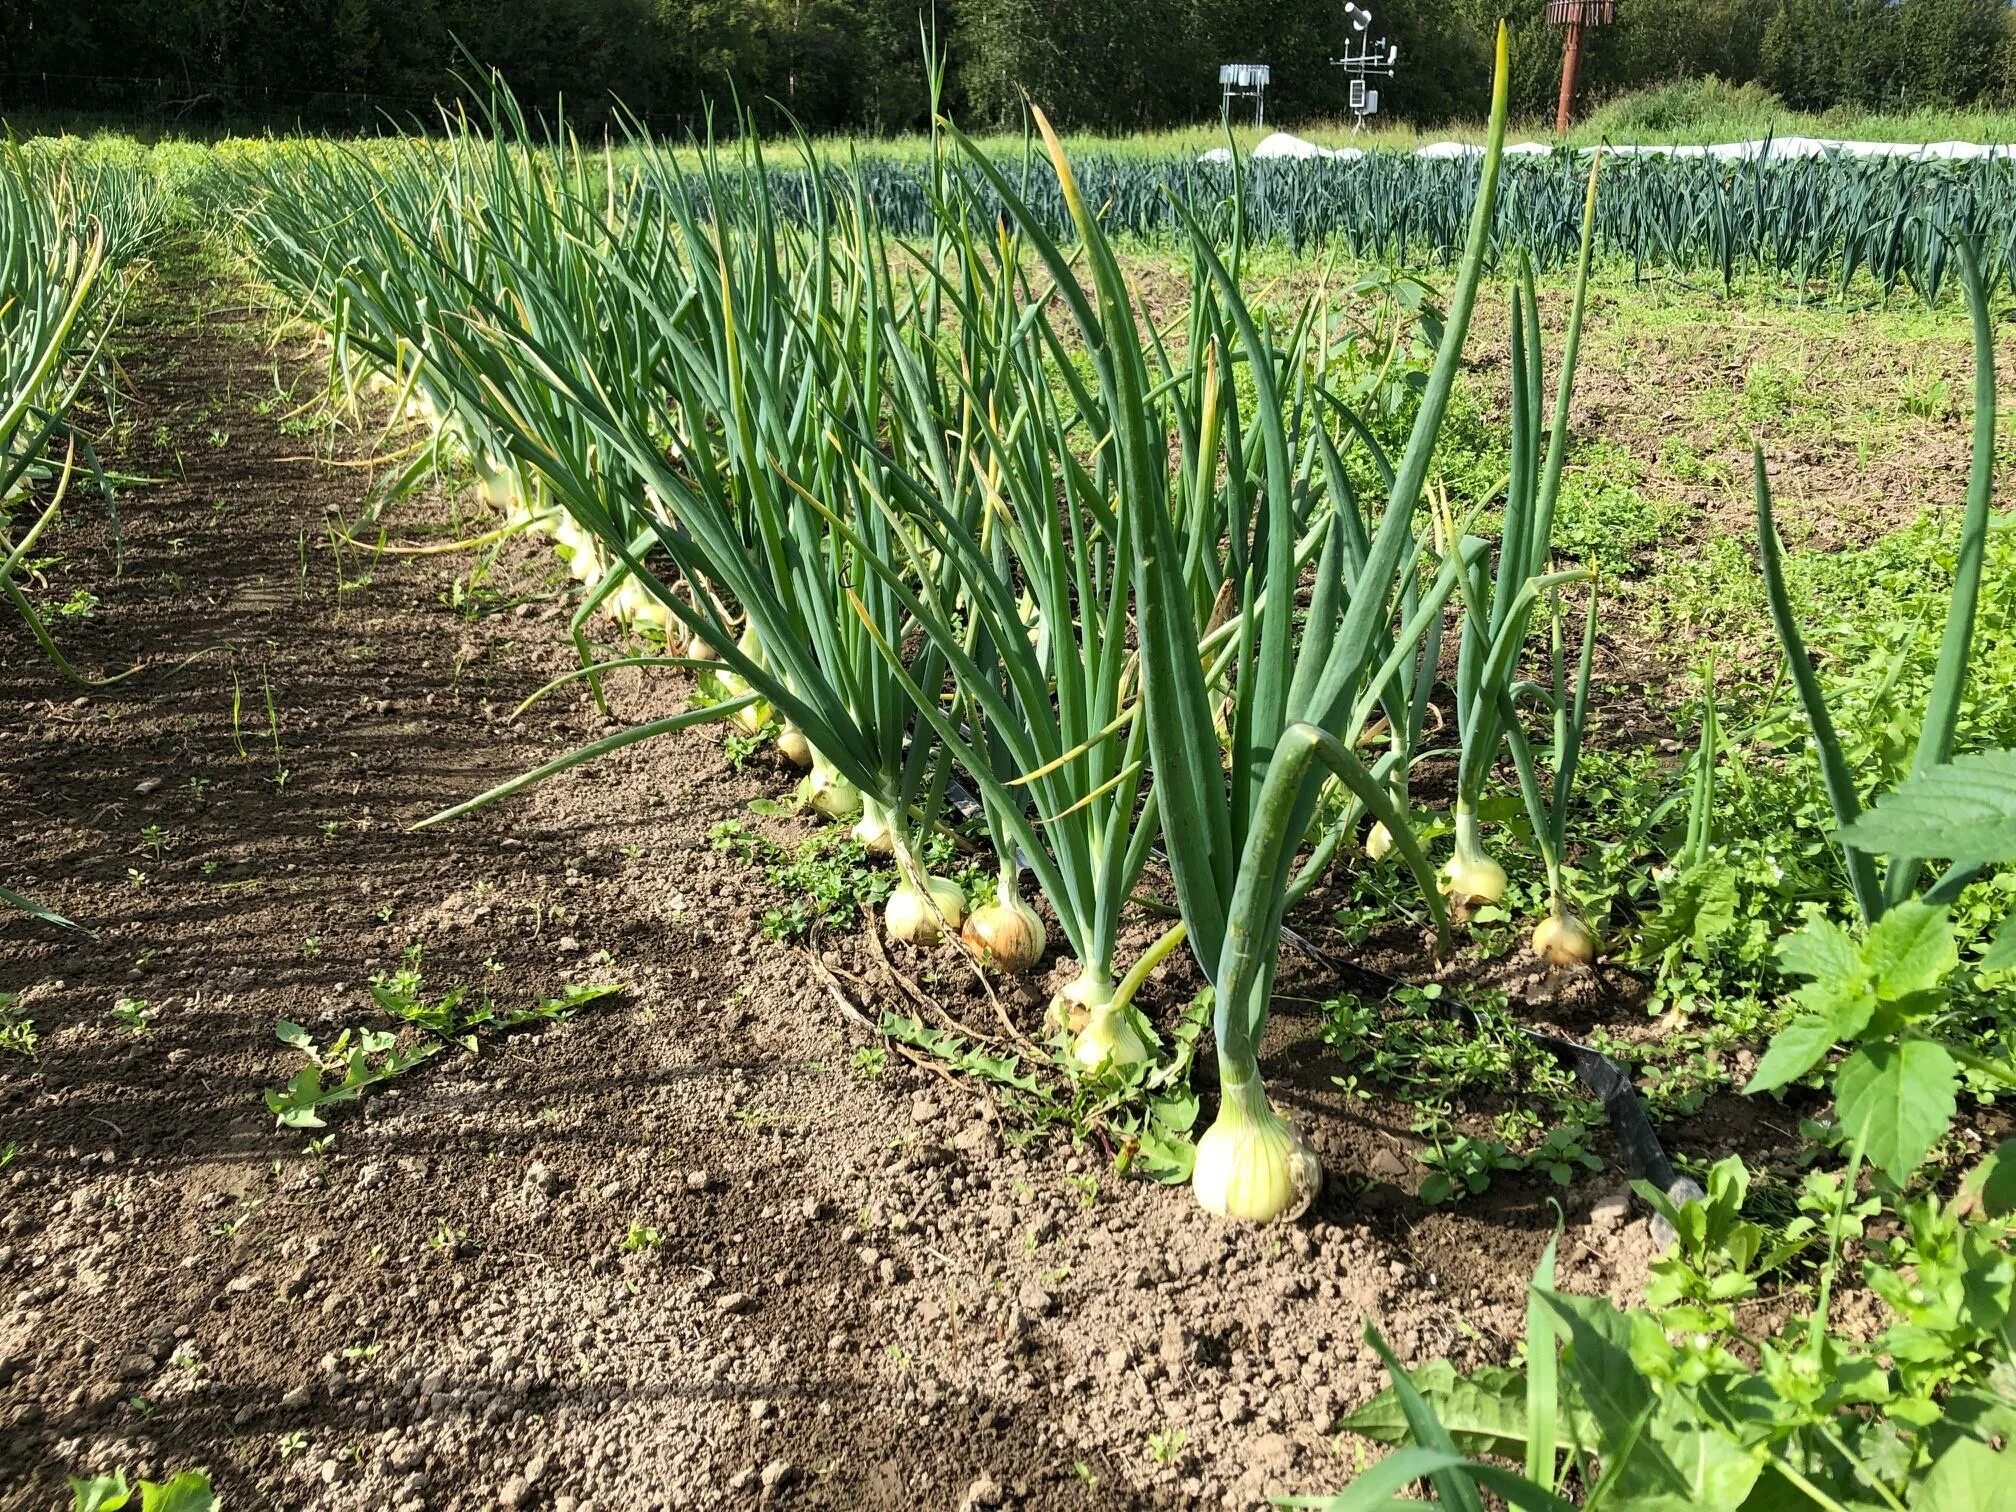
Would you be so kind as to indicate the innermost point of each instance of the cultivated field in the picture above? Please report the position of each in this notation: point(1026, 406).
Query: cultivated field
point(1162, 871)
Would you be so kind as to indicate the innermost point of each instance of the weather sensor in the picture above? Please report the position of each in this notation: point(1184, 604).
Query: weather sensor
point(1244, 81)
point(1369, 59)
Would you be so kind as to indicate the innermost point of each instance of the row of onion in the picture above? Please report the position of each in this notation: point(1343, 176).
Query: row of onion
point(70, 232)
point(962, 509)
point(70, 228)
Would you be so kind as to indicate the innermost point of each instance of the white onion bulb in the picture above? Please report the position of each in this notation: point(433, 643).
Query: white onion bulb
point(873, 830)
point(829, 793)
point(916, 917)
point(1006, 934)
point(1472, 881)
point(1563, 939)
point(1107, 1038)
point(793, 746)
point(1252, 1164)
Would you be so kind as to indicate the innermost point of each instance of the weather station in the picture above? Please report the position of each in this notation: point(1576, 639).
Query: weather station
point(1372, 59)
point(1244, 81)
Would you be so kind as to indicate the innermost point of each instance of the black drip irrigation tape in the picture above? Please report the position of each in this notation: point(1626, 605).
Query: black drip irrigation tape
point(1644, 1157)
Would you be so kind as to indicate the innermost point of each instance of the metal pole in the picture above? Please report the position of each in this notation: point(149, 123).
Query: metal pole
point(1571, 61)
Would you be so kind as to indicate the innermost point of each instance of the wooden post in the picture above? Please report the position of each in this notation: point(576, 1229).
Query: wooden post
point(1571, 59)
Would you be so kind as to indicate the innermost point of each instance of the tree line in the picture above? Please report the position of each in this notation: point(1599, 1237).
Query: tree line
point(857, 65)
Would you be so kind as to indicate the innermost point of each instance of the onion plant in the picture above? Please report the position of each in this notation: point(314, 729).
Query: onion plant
point(676, 380)
point(1231, 856)
point(1564, 937)
point(1874, 893)
point(65, 233)
point(1497, 612)
point(1030, 606)
point(1037, 638)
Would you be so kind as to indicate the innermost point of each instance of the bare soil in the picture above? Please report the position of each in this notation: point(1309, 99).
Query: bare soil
point(864, 1292)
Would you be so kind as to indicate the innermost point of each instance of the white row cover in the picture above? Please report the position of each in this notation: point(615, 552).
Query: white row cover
point(1281, 145)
